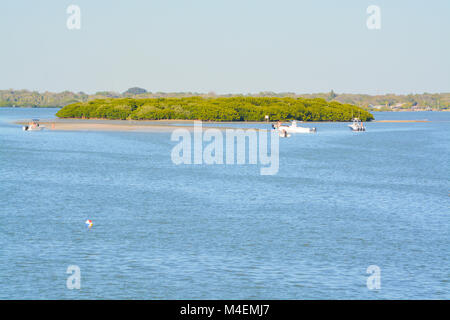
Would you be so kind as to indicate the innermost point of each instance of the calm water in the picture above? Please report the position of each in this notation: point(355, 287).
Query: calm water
point(341, 201)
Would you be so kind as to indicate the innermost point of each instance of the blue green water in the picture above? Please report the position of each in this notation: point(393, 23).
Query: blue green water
point(341, 201)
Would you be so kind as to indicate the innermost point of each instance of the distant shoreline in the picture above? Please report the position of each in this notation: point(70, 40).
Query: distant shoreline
point(437, 101)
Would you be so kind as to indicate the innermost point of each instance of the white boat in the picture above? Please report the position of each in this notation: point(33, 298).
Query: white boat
point(293, 128)
point(357, 125)
point(33, 126)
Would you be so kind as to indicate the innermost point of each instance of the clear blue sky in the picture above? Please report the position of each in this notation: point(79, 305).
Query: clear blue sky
point(226, 46)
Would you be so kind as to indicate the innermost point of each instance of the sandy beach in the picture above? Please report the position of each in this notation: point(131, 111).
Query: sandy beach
point(119, 125)
point(400, 121)
point(148, 125)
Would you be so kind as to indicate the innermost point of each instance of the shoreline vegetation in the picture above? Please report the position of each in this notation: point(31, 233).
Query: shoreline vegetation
point(231, 109)
point(384, 102)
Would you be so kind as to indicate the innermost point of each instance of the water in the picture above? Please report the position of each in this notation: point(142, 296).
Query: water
point(342, 201)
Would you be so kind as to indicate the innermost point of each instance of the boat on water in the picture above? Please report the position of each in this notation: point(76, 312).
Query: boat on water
point(293, 128)
point(33, 125)
point(357, 125)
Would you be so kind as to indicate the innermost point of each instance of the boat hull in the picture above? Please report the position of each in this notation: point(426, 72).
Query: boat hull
point(297, 129)
point(356, 128)
point(27, 128)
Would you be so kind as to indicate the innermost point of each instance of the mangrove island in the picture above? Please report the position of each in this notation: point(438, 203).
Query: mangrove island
point(215, 109)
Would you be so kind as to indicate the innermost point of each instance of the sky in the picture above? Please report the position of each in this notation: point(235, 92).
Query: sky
point(232, 46)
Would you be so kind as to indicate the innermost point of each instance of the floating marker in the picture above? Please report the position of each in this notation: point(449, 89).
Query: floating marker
point(89, 224)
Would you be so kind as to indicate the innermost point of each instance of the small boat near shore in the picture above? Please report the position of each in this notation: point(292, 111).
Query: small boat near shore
point(357, 125)
point(33, 125)
point(293, 128)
